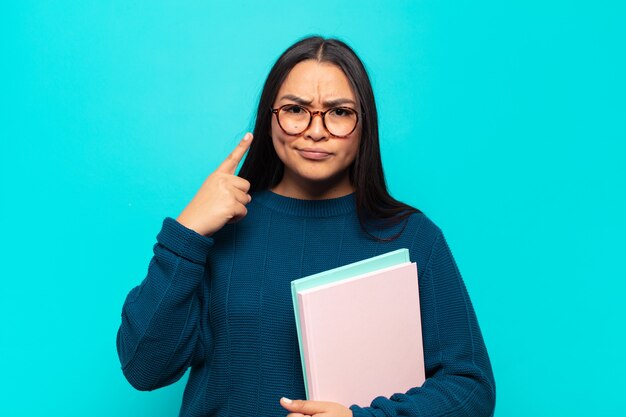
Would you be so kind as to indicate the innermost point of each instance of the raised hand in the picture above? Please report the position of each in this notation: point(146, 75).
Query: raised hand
point(222, 198)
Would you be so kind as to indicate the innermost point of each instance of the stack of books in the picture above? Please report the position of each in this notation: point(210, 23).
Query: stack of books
point(360, 331)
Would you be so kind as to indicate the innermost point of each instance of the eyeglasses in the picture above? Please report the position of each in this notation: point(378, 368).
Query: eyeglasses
point(294, 119)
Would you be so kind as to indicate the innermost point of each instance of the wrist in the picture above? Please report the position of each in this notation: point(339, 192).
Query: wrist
point(194, 226)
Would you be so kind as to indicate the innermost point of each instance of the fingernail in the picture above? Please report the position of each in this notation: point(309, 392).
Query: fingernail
point(248, 136)
point(287, 400)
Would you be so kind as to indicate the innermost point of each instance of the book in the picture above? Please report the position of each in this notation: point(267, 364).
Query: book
point(359, 329)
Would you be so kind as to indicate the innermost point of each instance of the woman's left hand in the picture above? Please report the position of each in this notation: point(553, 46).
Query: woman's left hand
point(305, 408)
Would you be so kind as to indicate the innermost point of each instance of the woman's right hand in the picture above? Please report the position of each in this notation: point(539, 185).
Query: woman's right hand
point(222, 198)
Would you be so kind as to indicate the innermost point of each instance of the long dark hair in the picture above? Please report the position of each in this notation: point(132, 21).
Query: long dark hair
point(264, 170)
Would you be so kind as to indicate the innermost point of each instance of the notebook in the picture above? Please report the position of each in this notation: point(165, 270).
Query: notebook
point(359, 329)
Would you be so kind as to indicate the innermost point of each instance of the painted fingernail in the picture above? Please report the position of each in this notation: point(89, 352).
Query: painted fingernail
point(287, 400)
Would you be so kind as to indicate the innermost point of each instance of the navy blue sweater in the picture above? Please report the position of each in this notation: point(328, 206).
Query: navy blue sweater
point(222, 306)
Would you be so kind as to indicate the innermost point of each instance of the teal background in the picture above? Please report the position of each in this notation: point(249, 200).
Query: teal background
point(504, 121)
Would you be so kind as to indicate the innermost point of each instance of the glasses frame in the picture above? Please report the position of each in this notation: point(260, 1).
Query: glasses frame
point(312, 114)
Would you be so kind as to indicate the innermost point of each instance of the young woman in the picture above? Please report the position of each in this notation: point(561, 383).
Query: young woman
point(310, 196)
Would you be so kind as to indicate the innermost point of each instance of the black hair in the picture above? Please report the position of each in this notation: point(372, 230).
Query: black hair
point(264, 170)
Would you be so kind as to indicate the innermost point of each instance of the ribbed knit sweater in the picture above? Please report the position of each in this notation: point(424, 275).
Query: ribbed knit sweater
point(221, 306)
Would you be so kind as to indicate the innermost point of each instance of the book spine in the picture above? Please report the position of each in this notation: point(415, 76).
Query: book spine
point(307, 355)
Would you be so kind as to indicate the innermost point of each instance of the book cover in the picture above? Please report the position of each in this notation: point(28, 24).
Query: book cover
point(361, 335)
point(343, 272)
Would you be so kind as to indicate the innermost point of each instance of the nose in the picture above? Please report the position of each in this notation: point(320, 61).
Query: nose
point(316, 130)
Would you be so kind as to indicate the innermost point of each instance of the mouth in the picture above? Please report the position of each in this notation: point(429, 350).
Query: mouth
point(314, 153)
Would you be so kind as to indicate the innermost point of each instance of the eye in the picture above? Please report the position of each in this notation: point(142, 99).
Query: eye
point(342, 112)
point(293, 109)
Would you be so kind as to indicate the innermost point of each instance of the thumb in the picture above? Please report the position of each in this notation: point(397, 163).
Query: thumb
point(304, 407)
point(291, 405)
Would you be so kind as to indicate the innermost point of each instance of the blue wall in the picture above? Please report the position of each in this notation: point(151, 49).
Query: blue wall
point(508, 117)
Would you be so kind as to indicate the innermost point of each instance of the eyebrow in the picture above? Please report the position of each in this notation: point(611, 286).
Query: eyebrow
point(329, 103)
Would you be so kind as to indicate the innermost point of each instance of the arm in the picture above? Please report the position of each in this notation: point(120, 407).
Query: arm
point(459, 379)
point(159, 337)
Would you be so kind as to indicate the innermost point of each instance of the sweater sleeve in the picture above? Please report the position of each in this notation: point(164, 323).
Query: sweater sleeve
point(159, 337)
point(459, 378)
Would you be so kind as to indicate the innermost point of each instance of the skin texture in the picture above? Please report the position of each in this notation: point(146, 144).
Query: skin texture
point(307, 177)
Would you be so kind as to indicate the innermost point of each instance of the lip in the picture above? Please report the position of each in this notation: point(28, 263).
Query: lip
point(314, 153)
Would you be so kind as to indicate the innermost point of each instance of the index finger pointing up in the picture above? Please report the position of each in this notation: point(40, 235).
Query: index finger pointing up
point(230, 163)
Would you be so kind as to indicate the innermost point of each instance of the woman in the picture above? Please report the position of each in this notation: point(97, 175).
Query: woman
point(310, 196)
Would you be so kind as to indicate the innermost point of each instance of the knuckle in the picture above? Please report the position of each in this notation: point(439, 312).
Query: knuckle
point(221, 181)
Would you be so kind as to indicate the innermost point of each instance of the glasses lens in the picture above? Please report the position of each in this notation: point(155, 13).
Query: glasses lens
point(293, 119)
point(341, 121)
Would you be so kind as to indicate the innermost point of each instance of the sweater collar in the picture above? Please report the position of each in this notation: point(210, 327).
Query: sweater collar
point(306, 208)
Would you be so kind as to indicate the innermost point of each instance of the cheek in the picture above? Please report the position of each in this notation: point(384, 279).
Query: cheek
point(353, 152)
point(276, 134)
point(280, 140)
point(353, 147)
point(279, 143)
point(275, 139)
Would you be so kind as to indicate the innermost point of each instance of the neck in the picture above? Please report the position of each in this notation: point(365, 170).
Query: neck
point(313, 190)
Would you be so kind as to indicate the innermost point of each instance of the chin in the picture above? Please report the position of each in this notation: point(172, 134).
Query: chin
point(321, 176)
point(325, 179)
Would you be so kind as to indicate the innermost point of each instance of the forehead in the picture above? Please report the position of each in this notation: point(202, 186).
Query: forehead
point(311, 79)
